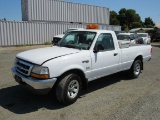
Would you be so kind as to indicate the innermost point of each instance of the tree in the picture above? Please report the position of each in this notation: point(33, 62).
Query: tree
point(137, 18)
point(122, 17)
point(148, 22)
point(114, 21)
point(113, 18)
point(132, 16)
point(129, 18)
point(136, 25)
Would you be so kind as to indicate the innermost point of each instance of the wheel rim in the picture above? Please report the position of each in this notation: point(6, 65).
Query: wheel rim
point(73, 89)
point(137, 69)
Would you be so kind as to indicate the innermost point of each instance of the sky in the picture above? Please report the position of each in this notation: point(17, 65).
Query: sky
point(11, 9)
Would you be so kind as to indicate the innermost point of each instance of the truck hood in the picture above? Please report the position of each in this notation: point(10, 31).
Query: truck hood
point(39, 56)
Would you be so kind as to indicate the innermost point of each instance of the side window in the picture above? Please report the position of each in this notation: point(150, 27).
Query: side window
point(106, 40)
point(132, 37)
point(136, 36)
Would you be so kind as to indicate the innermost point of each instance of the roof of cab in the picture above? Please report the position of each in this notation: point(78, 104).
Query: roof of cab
point(76, 28)
point(95, 30)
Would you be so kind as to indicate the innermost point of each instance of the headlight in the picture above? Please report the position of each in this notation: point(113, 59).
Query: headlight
point(40, 72)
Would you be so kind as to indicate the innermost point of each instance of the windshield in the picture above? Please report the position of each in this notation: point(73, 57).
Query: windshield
point(142, 35)
point(78, 40)
point(123, 37)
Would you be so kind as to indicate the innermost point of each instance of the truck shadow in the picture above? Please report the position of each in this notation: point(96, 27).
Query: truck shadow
point(18, 100)
point(106, 81)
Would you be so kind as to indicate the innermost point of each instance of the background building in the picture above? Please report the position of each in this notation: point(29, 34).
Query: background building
point(43, 19)
point(60, 11)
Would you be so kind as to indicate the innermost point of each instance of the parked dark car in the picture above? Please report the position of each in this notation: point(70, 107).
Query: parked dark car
point(132, 37)
point(155, 34)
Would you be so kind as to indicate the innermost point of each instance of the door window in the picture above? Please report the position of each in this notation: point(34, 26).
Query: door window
point(106, 41)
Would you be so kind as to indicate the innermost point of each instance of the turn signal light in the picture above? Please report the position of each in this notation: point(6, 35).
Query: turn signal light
point(38, 76)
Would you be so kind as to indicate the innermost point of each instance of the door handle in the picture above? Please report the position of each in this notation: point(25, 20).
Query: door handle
point(115, 54)
point(86, 61)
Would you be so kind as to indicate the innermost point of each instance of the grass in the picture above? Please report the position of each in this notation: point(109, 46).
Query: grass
point(47, 43)
point(23, 45)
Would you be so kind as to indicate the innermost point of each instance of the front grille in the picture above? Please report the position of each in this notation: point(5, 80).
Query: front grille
point(24, 67)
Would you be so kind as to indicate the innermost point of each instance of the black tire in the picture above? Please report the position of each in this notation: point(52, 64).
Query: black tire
point(136, 68)
point(64, 93)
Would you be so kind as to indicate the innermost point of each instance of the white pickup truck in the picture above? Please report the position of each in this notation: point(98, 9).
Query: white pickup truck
point(80, 57)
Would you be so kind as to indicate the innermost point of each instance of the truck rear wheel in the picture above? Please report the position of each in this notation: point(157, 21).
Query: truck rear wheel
point(68, 89)
point(135, 69)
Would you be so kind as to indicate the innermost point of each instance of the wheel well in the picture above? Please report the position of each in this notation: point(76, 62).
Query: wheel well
point(140, 57)
point(80, 73)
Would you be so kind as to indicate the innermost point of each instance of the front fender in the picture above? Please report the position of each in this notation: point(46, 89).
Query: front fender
point(59, 66)
point(72, 67)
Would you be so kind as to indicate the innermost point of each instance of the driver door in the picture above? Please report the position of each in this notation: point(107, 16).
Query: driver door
point(105, 61)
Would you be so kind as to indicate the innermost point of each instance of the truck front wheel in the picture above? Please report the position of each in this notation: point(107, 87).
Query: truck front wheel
point(135, 69)
point(68, 89)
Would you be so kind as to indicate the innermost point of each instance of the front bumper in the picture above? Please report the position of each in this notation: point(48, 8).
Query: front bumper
point(39, 86)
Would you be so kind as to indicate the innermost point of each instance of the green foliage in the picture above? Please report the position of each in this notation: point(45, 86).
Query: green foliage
point(114, 21)
point(148, 22)
point(113, 14)
point(136, 25)
point(126, 29)
point(23, 45)
point(47, 43)
point(113, 18)
point(129, 19)
point(122, 17)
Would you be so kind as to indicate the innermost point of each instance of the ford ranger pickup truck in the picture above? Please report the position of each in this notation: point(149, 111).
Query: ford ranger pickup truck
point(80, 57)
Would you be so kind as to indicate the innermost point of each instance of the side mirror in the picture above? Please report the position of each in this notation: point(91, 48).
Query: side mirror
point(98, 48)
point(55, 41)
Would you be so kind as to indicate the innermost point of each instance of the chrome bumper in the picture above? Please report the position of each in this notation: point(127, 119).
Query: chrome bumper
point(40, 86)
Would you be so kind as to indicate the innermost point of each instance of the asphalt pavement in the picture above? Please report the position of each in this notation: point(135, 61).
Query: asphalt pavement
point(115, 97)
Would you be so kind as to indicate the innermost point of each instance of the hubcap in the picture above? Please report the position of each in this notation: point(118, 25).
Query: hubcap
point(73, 89)
point(137, 69)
